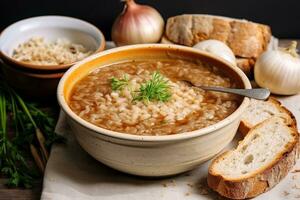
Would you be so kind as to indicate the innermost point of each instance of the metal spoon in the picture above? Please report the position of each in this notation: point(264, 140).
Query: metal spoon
point(256, 93)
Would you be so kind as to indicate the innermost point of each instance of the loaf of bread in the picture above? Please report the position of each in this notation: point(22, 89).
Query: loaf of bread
point(260, 161)
point(246, 39)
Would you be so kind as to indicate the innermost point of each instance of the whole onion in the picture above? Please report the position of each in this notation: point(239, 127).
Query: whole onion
point(137, 24)
point(279, 70)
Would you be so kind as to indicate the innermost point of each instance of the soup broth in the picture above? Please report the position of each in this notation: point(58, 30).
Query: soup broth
point(148, 97)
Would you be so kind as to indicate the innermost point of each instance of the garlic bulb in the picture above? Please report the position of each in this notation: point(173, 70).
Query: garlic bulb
point(217, 48)
point(137, 24)
point(279, 70)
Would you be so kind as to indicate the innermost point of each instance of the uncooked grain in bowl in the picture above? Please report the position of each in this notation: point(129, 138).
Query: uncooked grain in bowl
point(120, 108)
point(41, 52)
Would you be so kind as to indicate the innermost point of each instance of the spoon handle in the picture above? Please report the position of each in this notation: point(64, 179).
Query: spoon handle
point(256, 93)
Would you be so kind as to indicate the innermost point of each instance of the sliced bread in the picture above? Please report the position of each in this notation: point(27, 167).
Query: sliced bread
point(261, 160)
point(259, 111)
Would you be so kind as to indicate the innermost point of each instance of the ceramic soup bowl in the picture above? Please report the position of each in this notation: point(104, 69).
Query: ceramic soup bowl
point(151, 155)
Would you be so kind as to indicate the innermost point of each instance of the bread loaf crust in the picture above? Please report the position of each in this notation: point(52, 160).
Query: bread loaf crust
point(261, 181)
point(246, 65)
point(245, 38)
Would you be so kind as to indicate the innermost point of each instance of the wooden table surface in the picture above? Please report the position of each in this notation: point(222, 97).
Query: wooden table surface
point(20, 194)
point(35, 192)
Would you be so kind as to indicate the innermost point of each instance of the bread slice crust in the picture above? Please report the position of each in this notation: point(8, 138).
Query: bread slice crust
point(261, 180)
point(245, 125)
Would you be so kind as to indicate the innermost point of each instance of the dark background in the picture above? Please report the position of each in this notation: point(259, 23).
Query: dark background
point(282, 16)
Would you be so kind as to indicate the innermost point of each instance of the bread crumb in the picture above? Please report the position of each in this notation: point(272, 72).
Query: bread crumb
point(285, 193)
point(169, 183)
point(173, 182)
point(294, 177)
point(296, 171)
point(187, 194)
point(296, 187)
point(190, 184)
point(203, 189)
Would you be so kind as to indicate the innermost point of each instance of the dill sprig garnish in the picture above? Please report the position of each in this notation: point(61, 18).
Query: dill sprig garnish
point(156, 89)
point(119, 84)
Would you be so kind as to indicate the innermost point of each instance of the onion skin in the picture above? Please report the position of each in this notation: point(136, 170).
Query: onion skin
point(278, 71)
point(217, 48)
point(137, 24)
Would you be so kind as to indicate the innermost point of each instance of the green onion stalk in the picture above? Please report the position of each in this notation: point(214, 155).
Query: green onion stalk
point(24, 130)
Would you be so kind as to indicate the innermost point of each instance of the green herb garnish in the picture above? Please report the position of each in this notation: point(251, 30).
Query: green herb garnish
point(119, 84)
point(156, 89)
